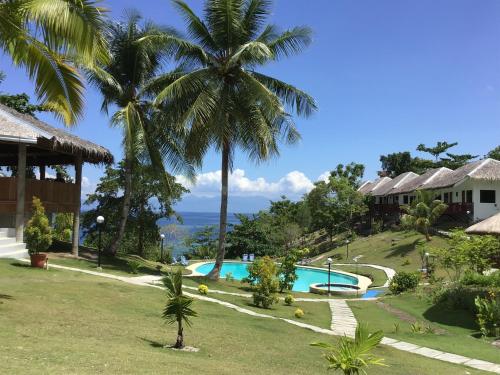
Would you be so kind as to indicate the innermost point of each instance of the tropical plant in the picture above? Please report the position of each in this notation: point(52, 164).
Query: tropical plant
point(134, 266)
point(262, 277)
point(352, 356)
point(51, 40)
point(136, 57)
point(221, 97)
point(202, 244)
point(203, 289)
point(287, 271)
point(38, 233)
point(488, 314)
point(404, 281)
point(299, 313)
point(423, 212)
point(289, 300)
point(63, 226)
point(179, 307)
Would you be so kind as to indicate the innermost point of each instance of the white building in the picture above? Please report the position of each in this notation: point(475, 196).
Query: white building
point(473, 189)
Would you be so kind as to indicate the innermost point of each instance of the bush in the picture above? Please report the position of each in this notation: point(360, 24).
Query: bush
point(229, 277)
point(299, 313)
point(457, 296)
point(203, 289)
point(289, 300)
point(262, 276)
point(472, 278)
point(404, 281)
point(134, 266)
point(38, 233)
point(488, 314)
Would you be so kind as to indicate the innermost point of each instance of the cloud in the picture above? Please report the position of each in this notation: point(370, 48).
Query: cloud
point(293, 184)
point(325, 176)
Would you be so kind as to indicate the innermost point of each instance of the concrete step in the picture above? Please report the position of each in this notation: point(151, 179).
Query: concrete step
point(15, 254)
point(7, 232)
point(7, 240)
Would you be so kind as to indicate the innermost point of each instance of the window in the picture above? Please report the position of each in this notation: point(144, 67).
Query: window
point(396, 199)
point(487, 196)
point(438, 197)
point(468, 194)
point(405, 199)
point(412, 198)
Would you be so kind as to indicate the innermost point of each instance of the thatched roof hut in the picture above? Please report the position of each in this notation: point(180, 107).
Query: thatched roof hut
point(490, 225)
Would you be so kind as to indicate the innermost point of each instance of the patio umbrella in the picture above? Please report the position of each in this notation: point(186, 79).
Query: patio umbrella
point(490, 225)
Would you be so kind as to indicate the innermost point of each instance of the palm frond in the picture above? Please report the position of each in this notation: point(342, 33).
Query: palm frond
point(254, 16)
point(224, 21)
point(291, 42)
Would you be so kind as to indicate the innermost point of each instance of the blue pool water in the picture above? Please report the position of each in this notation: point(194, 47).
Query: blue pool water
point(371, 293)
point(306, 276)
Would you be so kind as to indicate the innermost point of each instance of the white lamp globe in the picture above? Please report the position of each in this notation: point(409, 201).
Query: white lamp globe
point(100, 219)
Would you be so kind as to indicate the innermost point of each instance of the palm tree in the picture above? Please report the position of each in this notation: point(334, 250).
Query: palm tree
point(351, 357)
point(221, 97)
point(178, 308)
point(423, 212)
point(135, 60)
point(50, 39)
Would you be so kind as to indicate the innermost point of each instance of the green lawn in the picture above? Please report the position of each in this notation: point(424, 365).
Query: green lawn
point(377, 276)
point(63, 322)
point(395, 249)
point(454, 328)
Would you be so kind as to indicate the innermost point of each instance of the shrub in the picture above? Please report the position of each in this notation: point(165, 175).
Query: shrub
point(457, 296)
point(472, 278)
point(299, 313)
point(404, 281)
point(488, 314)
point(203, 289)
point(229, 277)
point(38, 233)
point(62, 226)
point(287, 271)
point(289, 300)
point(262, 276)
point(134, 266)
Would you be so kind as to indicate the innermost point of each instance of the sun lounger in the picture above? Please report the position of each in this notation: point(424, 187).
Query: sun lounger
point(184, 261)
point(245, 258)
point(251, 257)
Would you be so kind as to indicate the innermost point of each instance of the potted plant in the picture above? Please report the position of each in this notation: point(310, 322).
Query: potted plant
point(38, 235)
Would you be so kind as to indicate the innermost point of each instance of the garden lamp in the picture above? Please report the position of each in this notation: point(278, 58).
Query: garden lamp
point(329, 261)
point(162, 237)
point(100, 221)
point(347, 248)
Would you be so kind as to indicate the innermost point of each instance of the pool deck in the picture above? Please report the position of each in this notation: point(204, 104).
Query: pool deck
point(363, 281)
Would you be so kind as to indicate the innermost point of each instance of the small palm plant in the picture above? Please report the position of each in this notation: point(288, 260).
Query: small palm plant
point(423, 212)
point(178, 308)
point(352, 356)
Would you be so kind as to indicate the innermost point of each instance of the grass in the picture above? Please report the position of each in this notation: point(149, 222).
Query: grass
point(377, 276)
point(455, 329)
point(62, 322)
point(392, 249)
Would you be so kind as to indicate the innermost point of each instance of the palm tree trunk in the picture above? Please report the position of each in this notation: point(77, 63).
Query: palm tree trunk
point(179, 343)
point(125, 207)
point(214, 274)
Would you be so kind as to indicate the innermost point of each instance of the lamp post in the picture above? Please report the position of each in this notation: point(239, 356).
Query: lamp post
point(347, 249)
point(100, 221)
point(162, 237)
point(329, 260)
point(355, 259)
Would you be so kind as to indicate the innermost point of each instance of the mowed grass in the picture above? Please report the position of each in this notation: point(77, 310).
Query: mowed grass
point(455, 330)
point(63, 322)
point(394, 249)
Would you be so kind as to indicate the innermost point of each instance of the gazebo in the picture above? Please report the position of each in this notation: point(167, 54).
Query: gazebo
point(490, 226)
point(28, 142)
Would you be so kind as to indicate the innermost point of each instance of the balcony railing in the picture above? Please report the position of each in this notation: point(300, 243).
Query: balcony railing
point(453, 208)
point(55, 196)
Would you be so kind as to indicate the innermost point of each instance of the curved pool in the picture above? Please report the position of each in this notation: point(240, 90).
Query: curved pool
point(306, 276)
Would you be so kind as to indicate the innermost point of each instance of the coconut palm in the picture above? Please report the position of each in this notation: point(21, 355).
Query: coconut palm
point(352, 356)
point(50, 39)
point(135, 60)
point(423, 212)
point(178, 308)
point(221, 97)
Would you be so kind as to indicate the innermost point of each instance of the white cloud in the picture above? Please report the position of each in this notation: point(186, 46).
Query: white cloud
point(325, 176)
point(293, 185)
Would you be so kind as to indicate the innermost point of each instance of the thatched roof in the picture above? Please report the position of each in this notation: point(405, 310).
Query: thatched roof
point(16, 127)
point(369, 187)
point(422, 181)
point(490, 225)
point(386, 189)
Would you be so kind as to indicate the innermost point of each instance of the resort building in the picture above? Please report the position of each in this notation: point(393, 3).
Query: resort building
point(30, 144)
point(472, 190)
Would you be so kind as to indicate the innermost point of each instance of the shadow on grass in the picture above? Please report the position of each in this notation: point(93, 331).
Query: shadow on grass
point(402, 250)
point(5, 296)
point(154, 344)
point(442, 314)
point(22, 265)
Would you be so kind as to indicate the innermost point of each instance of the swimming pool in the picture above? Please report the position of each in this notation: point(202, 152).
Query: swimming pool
point(306, 276)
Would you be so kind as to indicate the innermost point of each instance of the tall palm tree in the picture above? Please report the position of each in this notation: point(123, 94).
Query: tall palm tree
point(178, 307)
point(135, 60)
point(221, 97)
point(423, 212)
point(51, 39)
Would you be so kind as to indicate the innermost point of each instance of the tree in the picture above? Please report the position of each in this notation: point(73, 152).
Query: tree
point(454, 161)
point(63, 226)
point(353, 172)
point(396, 163)
point(178, 308)
point(203, 243)
point(437, 150)
point(423, 212)
point(21, 103)
point(494, 154)
point(352, 356)
point(50, 40)
point(287, 272)
point(147, 135)
point(38, 233)
point(149, 202)
point(221, 97)
point(262, 276)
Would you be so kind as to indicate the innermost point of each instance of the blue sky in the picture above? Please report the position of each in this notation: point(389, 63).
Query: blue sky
point(387, 75)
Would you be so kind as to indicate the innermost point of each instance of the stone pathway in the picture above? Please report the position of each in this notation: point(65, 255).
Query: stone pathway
point(343, 321)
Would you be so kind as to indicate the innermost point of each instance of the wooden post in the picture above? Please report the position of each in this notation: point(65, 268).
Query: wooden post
point(76, 213)
point(21, 192)
point(42, 172)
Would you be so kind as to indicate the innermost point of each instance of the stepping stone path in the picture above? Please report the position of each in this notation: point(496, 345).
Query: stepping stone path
point(343, 321)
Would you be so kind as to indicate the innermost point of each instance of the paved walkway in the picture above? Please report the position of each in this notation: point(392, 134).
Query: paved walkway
point(342, 321)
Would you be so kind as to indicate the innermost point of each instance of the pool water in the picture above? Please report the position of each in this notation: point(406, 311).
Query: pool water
point(306, 276)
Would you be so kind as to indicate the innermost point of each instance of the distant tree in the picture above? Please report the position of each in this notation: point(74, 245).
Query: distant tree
point(423, 212)
point(203, 242)
point(21, 103)
point(396, 163)
point(494, 154)
point(353, 172)
point(454, 161)
point(178, 308)
point(436, 150)
point(63, 226)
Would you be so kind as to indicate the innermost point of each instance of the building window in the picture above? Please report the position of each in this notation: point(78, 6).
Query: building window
point(405, 199)
point(438, 197)
point(446, 198)
point(396, 199)
point(487, 196)
point(468, 195)
point(412, 198)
